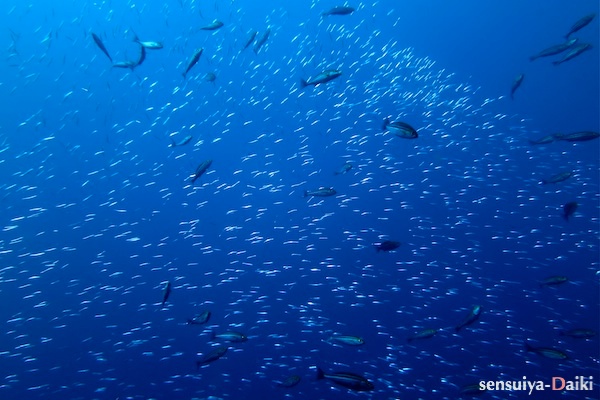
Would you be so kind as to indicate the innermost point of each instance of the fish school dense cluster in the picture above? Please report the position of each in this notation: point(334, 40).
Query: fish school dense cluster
point(223, 343)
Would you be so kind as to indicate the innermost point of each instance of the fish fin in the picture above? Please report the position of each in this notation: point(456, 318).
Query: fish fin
point(386, 122)
point(320, 373)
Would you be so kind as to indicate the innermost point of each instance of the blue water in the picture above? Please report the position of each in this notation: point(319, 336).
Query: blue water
point(99, 213)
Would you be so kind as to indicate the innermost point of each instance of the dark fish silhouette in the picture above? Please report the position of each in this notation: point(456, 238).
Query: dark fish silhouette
point(213, 355)
point(574, 52)
point(470, 318)
point(516, 84)
point(563, 176)
point(100, 45)
point(199, 319)
point(547, 352)
point(577, 136)
point(569, 209)
point(553, 50)
point(201, 169)
point(387, 245)
point(340, 10)
point(250, 39)
point(580, 24)
point(323, 77)
point(193, 61)
point(261, 41)
point(400, 129)
point(289, 382)
point(166, 293)
point(347, 379)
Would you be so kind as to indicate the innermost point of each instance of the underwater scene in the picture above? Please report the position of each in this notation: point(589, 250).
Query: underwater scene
point(311, 199)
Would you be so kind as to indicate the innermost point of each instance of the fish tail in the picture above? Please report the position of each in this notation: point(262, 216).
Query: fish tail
point(320, 373)
point(529, 347)
point(303, 83)
point(213, 335)
point(306, 193)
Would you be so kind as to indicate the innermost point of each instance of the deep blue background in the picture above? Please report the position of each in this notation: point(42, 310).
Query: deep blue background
point(98, 211)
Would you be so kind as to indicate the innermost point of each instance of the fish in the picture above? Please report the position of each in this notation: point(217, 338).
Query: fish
point(339, 10)
point(323, 77)
point(544, 140)
point(387, 245)
point(201, 169)
point(199, 319)
point(100, 45)
point(424, 334)
point(516, 84)
point(193, 61)
point(400, 129)
point(547, 352)
point(211, 356)
point(569, 209)
point(320, 192)
point(125, 64)
point(289, 382)
point(577, 136)
point(250, 40)
point(261, 41)
point(554, 280)
point(581, 333)
point(574, 52)
point(554, 50)
point(210, 77)
point(347, 379)
point(213, 26)
point(562, 176)
point(470, 318)
point(345, 168)
point(132, 64)
point(581, 23)
point(166, 293)
point(182, 142)
point(148, 45)
point(346, 339)
point(234, 337)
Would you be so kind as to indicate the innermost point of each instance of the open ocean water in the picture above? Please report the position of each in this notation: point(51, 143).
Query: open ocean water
point(100, 213)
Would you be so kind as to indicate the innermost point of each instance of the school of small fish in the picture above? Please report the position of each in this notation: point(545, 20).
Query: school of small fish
point(195, 244)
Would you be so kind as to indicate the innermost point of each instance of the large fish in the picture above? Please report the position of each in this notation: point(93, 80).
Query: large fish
point(516, 84)
point(320, 192)
point(580, 333)
point(562, 176)
point(193, 60)
point(261, 41)
point(569, 209)
point(470, 318)
point(400, 129)
point(213, 355)
point(554, 280)
point(166, 293)
point(547, 352)
point(148, 45)
point(250, 39)
point(289, 382)
point(544, 140)
point(101, 46)
point(201, 169)
point(574, 52)
point(199, 319)
point(340, 10)
point(580, 24)
point(577, 136)
point(323, 77)
point(424, 334)
point(234, 337)
point(213, 26)
point(387, 245)
point(182, 142)
point(347, 340)
point(554, 50)
point(347, 379)
point(132, 64)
